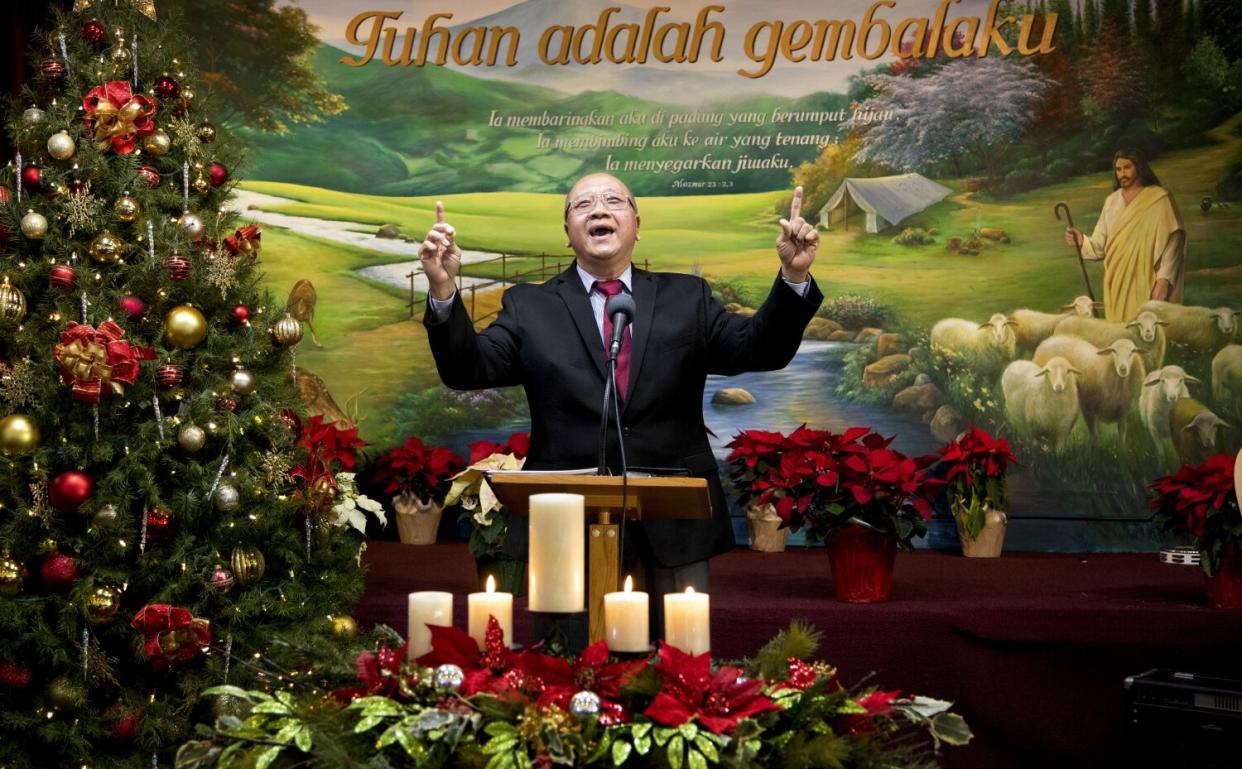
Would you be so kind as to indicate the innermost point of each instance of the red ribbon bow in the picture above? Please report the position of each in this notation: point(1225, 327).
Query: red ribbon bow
point(245, 240)
point(172, 634)
point(89, 357)
point(114, 115)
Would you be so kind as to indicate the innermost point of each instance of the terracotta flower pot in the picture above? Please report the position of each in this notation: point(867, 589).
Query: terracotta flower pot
point(991, 539)
point(417, 523)
point(763, 528)
point(1224, 588)
point(862, 564)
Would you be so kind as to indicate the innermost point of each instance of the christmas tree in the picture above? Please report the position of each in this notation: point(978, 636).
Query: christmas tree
point(168, 511)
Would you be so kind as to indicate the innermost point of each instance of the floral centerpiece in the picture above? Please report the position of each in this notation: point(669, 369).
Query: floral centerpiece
point(851, 490)
point(1202, 502)
point(489, 521)
point(417, 476)
point(459, 706)
point(330, 494)
point(975, 477)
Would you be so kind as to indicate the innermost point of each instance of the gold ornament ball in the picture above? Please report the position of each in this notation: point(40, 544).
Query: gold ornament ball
point(61, 146)
point(12, 302)
point(106, 247)
point(185, 326)
point(191, 438)
point(103, 603)
point(188, 95)
point(34, 225)
point(65, 693)
point(119, 55)
point(287, 331)
point(127, 208)
point(248, 564)
point(53, 188)
point(207, 133)
point(157, 143)
point(192, 225)
point(243, 382)
point(200, 185)
point(18, 435)
point(10, 574)
point(344, 626)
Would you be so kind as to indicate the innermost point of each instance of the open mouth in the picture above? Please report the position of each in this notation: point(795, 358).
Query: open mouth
point(600, 230)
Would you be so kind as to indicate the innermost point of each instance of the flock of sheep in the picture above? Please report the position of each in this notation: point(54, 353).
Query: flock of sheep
point(1101, 371)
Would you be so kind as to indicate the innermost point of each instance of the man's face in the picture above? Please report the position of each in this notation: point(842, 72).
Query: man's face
point(1127, 174)
point(601, 221)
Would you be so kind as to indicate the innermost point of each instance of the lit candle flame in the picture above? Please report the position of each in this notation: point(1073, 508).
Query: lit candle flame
point(491, 584)
point(629, 584)
point(689, 590)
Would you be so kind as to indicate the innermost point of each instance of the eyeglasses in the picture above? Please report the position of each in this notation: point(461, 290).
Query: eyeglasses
point(613, 201)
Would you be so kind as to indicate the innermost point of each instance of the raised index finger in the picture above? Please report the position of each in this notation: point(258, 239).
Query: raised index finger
point(439, 212)
point(795, 209)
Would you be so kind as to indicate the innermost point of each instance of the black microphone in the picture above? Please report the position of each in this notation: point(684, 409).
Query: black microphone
point(619, 307)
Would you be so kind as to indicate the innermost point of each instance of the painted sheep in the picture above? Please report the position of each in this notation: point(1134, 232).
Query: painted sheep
point(1110, 378)
point(985, 347)
point(1042, 401)
point(1161, 389)
point(1194, 429)
point(1202, 329)
point(1146, 331)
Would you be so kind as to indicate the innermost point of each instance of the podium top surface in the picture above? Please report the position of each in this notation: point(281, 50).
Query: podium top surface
point(648, 498)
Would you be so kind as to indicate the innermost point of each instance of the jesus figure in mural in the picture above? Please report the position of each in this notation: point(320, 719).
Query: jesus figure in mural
point(1140, 238)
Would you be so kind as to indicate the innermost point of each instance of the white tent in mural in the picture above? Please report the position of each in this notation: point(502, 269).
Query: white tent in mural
point(885, 199)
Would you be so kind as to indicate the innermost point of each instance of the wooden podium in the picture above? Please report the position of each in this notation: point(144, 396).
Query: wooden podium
point(647, 498)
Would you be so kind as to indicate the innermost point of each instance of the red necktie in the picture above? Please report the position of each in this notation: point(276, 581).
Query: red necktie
point(610, 288)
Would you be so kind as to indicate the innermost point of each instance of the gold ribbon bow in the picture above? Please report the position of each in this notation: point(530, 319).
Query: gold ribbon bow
point(87, 361)
point(145, 7)
point(110, 122)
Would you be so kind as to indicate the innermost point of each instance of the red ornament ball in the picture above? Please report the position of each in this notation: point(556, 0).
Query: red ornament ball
point(160, 524)
point(59, 570)
point(217, 174)
point(169, 375)
point(166, 87)
point(241, 314)
point(292, 421)
point(149, 175)
point(226, 403)
point(5, 194)
point(32, 176)
point(77, 188)
point(125, 722)
point(53, 69)
point(221, 579)
point(93, 31)
point(178, 266)
point(62, 276)
point(132, 306)
point(14, 675)
point(69, 490)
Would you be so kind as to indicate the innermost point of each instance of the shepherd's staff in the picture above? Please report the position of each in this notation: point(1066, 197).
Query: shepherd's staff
point(1077, 244)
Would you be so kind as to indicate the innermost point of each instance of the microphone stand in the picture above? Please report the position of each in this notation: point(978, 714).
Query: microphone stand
point(611, 399)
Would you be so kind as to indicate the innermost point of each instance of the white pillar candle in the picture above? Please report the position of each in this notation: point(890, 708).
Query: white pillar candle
point(625, 620)
point(687, 622)
point(429, 607)
point(480, 606)
point(557, 568)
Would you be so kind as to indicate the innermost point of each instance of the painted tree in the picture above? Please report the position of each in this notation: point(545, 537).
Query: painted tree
point(971, 108)
point(1222, 19)
point(1114, 80)
point(167, 509)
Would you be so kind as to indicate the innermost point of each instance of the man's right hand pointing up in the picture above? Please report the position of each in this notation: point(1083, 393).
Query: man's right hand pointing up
point(440, 257)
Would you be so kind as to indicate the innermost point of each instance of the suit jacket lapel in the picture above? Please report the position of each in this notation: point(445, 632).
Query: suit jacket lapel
point(579, 306)
point(643, 284)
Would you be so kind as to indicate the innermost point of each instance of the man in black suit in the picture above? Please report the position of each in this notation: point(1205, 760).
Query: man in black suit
point(549, 338)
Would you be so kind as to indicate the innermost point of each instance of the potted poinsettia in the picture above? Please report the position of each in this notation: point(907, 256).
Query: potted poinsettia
point(976, 464)
point(417, 476)
point(1202, 502)
point(488, 519)
point(754, 453)
point(863, 498)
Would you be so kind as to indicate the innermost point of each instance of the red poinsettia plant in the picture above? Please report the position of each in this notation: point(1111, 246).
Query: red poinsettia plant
point(1201, 501)
point(823, 481)
point(975, 476)
point(415, 469)
point(328, 449)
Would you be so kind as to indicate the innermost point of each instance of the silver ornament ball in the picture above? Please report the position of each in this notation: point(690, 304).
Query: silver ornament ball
point(191, 438)
point(584, 704)
point(61, 146)
point(227, 498)
point(105, 514)
point(192, 225)
point(448, 677)
point(34, 225)
point(33, 116)
point(242, 382)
